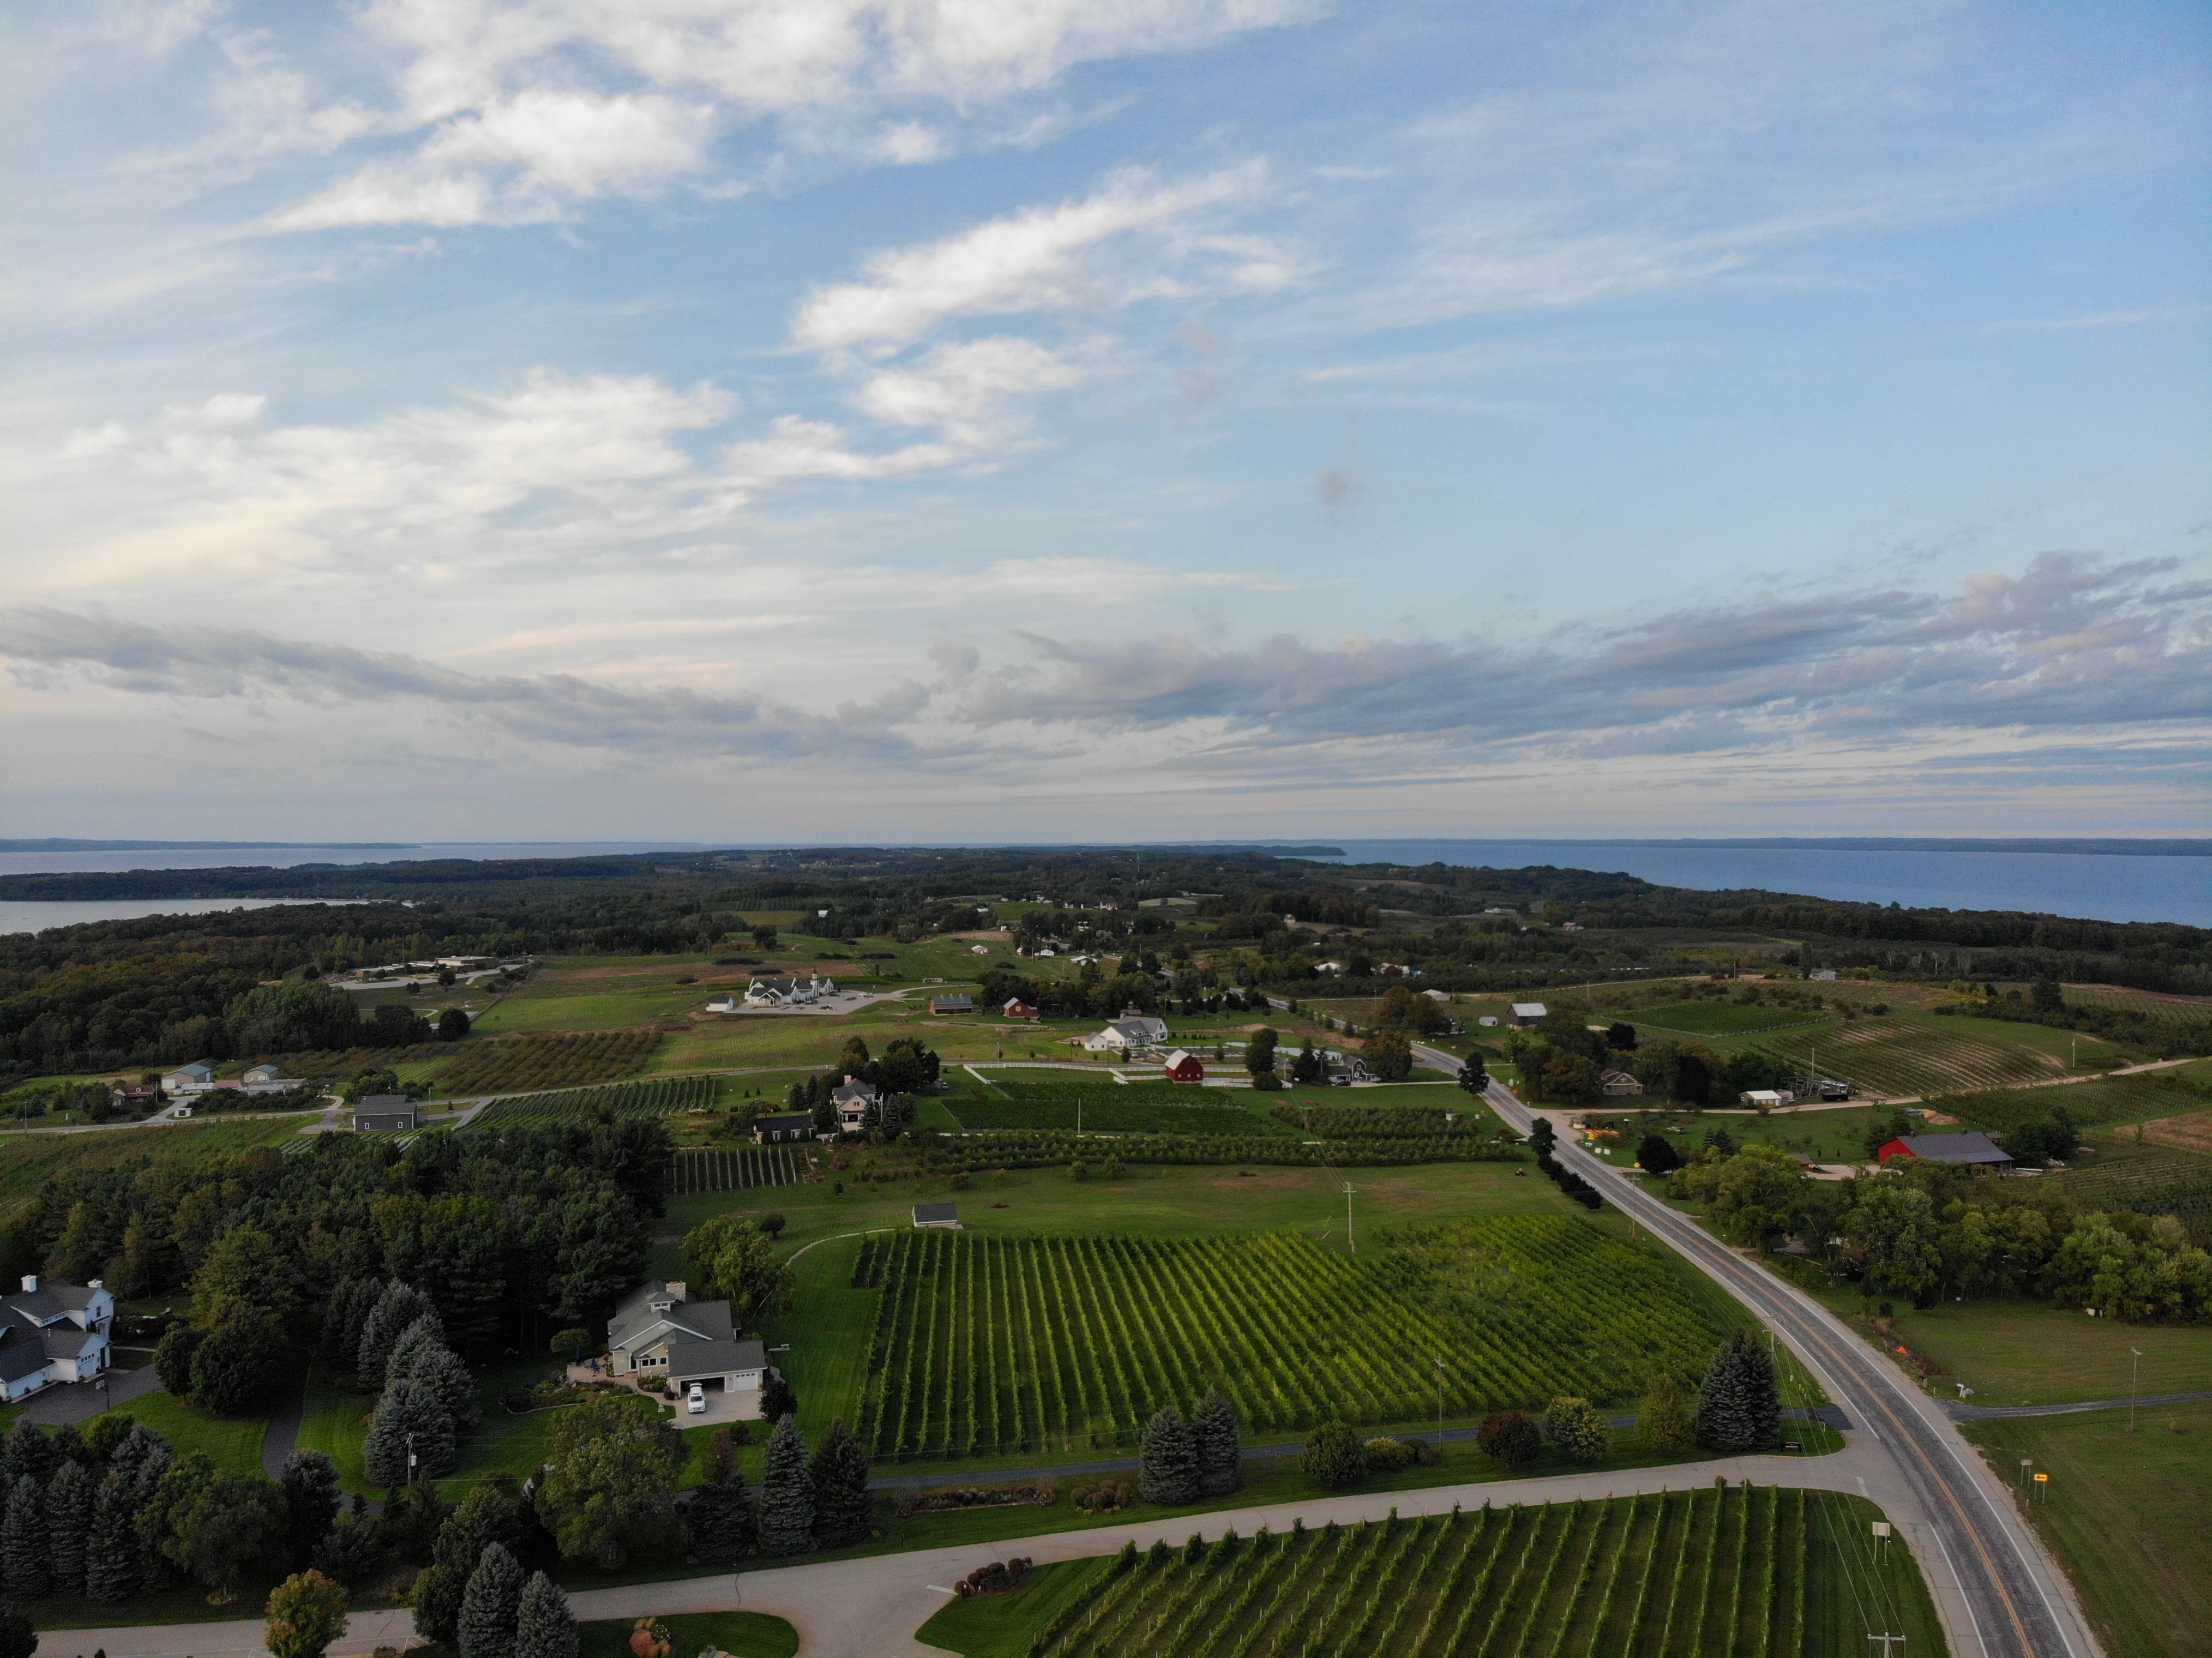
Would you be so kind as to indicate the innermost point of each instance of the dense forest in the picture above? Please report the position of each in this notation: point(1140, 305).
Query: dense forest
point(163, 989)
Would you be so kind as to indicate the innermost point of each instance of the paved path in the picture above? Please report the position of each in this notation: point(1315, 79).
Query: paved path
point(1958, 1412)
point(870, 1607)
point(1998, 1594)
point(81, 1401)
point(282, 1436)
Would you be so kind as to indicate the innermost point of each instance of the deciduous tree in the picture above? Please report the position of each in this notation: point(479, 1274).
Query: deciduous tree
point(1334, 1455)
point(611, 1493)
point(215, 1523)
point(1664, 1419)
point(733, 1258)
point(1511, 1436)
point(307, 1611)
point(1576, 1429)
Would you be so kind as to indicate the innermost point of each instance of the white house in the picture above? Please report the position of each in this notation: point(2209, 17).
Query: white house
point(1127, 1034)
point(195, 1078)
point(52, 1331)
point(789, 992)
point(852, 1101)
point(661, 1334)
point(1765, 1098)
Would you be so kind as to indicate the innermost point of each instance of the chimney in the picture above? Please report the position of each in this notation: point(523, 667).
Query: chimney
point(97, 1284)
point(682, 1292)
point(30, 1283)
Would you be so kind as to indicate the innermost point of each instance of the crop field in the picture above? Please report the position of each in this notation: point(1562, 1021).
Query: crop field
point(658, 1098)
point(986, 1343)
point(1109, 1111)
point(1732, 1572)
point(1893, 1059)
point(2151, 1179)
point(1723, 1018)
point(736, 1168)
point(2096, 1103)
point(29, 1161)
point(501, 1066)
point(1021, 1083)
point(2176, 1009)
point(1385, 1122)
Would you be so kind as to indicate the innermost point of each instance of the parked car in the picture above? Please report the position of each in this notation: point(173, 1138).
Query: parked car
point(695, 1402)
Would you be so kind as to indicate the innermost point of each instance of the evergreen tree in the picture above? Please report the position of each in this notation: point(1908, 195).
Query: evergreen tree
point(1334, 1455)
point(490, 1605)
point(30, 1452)
point(172, 1359)
point(426, 1334)
point(70, 1447)
point(233, 1364)
point(408, 1411)
point(69, 1500)
point(397, 1307)
point(112, 1567)
point(1578, 1429)
point(1167, 1461)
point(310, 1480)
point(778, 1398)
point(493, 1512)
point(19, 1634)
point(842, 1511)
point(1738, 1407)
point(1664, 1421)
point(443, 1372)
point(23, 1542)
point(1213, 1433)
point(545, 1628)
point(787, 1507)
point(348, 1310)
point(1656, 1155)
point(723, 1525)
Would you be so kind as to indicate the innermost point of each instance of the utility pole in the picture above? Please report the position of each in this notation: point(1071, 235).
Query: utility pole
point(1886, 1640)
point(1440, 1404)
point(2134, 1373)
point(1352, 1242)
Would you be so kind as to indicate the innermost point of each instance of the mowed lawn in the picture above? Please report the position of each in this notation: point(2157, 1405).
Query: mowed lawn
point(2020, 1352)
point(740, 1634)
point(338, 1422)
point(2131, 1515)
point(233, 1444)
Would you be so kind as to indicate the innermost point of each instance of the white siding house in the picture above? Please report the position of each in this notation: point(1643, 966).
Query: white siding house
point(52, 1331)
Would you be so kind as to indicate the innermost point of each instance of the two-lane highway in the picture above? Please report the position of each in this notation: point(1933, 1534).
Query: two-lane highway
point(2000, 1595)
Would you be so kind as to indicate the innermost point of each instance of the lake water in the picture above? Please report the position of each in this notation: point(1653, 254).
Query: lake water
point(2102, 886)
point(36, 917)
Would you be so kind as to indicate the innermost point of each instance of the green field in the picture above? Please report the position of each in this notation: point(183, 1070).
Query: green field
point(29, 1161)
point(231, 1442)
point(1133, 1110)
point(2129, 1515)
point(2020, 1353)
point(514, 1065)
point(1704, 1574)
point(984, 1345)
point(1720, 1018)
point(664, 1096)
point(1816, 1136)
point(1915, 1057)
point(2103, 1102)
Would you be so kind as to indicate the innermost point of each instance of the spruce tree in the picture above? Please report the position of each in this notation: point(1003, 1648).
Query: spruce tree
point(348, 1309)
point(426, 1334)
point(234, 1362)
point(787, 1506)
point(721, 1518)
point(442, 1371)
point(408, 1411)
point(23, 1542)
point(842, 1511)
point(111, 1557)
point(70, 1447)
point(1738, 1407)
point(1334, 1455)
point(399, 1306)
point(30, 1452)
point(69, 1500)
point(1213, 1433)
point(490, 1604)
point(1167, 1462)
point(545, 1628)
point(310, 1480)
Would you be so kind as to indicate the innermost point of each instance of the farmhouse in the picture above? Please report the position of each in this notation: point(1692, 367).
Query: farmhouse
point(784, 1126)
point(1617, 1082)
point(137, 1098)
point(195, 1078)
point(659, 1332)
point(1016, 1008)
point(953, 1004)
point(854, 1101)
point(385, 1114)
point(943, 1215)
point(1527, 1013)
point(1183, 1067)
point(1976, 1151)
point(1132, 1031)
point(52, 1331)
point(1343, 1070)
point(789, 992)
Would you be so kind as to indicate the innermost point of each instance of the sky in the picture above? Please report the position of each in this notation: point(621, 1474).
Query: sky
point(882, 420)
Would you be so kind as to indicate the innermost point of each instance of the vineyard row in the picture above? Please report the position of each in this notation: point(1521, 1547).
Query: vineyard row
point(737, 1169)
point(650, 1099)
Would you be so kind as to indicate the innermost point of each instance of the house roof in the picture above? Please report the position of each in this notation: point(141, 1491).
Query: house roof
point(938, 1211)
point(65, 1341)
point(1529, 1010)
point(195, 1069)
point(1953, 1148)
point(49, 1301)
point(22, 1354)
point(1178, 1057)
point(786, 1120)
point(384, 1102)
point(686, 1322)
point(854, 1093)
point(697, 1360)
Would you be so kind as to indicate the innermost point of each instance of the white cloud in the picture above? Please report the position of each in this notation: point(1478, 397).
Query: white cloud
point(964, 389)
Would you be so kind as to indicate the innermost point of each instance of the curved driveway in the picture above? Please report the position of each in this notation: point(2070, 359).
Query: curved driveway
point(1999, 1594)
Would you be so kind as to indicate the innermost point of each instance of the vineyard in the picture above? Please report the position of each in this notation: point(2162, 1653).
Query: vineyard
point(1719, 1573)
point(986, 1342)
point(736, 1168)
point(1721, 1018)
point(1384, 1122)
point(499, 1067)
point(2151, 1181)
point(652, 1099)
point(1134, 1110)
point(2172, 1009)
point(1893, 1059)
point(1268, 1143)
point(2098, 1103)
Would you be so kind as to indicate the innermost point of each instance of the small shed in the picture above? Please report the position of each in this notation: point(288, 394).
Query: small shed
point(945, 1215)
point(784, 1126)
point(1016, 1008)
point(1975, 1151)
point(1764, 1099)
point(1527, 1013)
point(385, 1114)
point(1184, 1067)
point(952, 1004)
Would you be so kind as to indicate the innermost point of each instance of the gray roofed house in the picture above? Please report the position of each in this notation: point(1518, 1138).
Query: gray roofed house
point(52, 1331)
point(938, 1214)
point(1127, 1034)
point(784, 1126)
point(383, 1114)
point(852, 1102)
point(952, 1004)
point(1528, 1013)
point(659, 1332)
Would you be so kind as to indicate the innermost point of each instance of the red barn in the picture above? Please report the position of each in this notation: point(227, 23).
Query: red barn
point(1185, 1068)
point(1018, 1009)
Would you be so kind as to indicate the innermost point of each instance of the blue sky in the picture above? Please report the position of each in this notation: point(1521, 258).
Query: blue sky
point(883, 420)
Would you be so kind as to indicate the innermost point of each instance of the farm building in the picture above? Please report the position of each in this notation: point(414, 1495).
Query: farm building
point(853, 1103)
point(1764, 1099)
point(1976, 1150)
point(784, 1126)
point(1184, 1067)
point(661, 1334)
point(1822, 975)
point(1132, 1031)
point(1617, 1082)
point(943, 1215)
point(727, 1003)
point(1527, 1013)
point(385, 1114)
point(195, 1078)
point(955, 1003)
point(52, 1331)
point(1016, 1008)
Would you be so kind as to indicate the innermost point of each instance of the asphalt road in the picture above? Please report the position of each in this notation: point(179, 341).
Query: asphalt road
point(1999, 1594)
